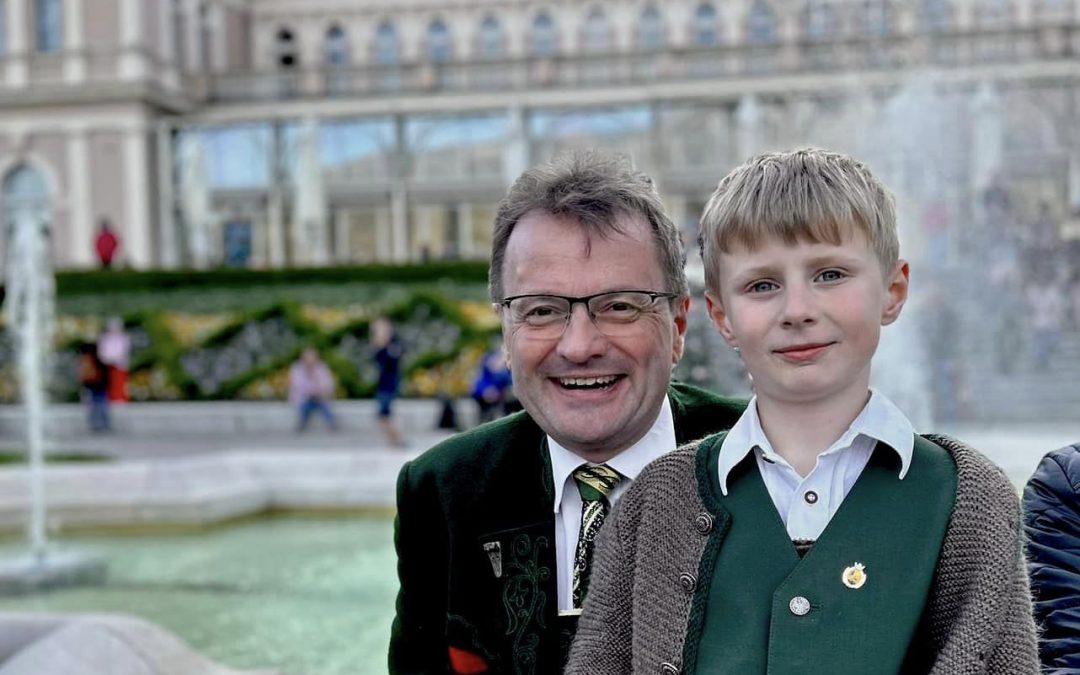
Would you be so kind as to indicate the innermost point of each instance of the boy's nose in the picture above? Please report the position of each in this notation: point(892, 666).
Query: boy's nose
point(581, 340)
point(800, 307)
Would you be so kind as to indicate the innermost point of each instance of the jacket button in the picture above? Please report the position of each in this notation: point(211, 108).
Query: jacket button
point(688, 582)
point(703, 522)
point(799, 606)
point(669, 669)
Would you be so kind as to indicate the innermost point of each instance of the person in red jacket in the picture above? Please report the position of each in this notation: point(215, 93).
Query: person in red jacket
point(106, 243)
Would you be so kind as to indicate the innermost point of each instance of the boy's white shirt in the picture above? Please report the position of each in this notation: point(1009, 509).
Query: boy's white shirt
point(835, 472)
point(658, 440)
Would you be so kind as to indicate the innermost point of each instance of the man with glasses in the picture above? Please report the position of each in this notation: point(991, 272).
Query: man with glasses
point(496, 526)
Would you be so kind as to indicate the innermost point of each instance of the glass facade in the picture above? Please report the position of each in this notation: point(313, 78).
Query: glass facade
point(48, 16)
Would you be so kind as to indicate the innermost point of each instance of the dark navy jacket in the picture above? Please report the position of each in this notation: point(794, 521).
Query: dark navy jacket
point(1052, 523)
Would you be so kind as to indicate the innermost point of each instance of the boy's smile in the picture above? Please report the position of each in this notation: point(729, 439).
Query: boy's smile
point(807, 316)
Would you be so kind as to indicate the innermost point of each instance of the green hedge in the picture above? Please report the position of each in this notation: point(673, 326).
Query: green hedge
point(102, 281)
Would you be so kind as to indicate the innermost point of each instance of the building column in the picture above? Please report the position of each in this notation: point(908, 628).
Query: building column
point(218, 38)
point(18, 28)
point(516, 151)
point(169, 246)
point(399, 218)
point(132, 62)
point(80, 209)
point(383, 225)
point(168, 50)
point(465, 230)
point(341, 252)
point(137, 170)
point(74, 44)
point(399, 193)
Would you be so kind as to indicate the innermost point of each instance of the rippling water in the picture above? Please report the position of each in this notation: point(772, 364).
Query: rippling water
point(304, 595)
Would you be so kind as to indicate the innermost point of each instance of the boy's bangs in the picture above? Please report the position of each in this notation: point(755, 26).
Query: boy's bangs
point(751, 235)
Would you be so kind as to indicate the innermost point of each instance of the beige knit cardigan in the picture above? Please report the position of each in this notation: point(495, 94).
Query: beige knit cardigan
point(978, 617)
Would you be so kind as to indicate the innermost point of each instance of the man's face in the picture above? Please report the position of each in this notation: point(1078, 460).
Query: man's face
point(807, 317)
point(594, 394)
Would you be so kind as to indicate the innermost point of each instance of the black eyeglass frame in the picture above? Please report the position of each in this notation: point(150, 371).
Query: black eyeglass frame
point(585, 299)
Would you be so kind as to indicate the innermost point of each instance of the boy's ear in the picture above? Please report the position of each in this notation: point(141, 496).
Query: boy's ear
point(896, 292)
point(720, 318)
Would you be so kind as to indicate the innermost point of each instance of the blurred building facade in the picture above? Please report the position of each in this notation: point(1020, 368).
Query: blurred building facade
point(311, 132)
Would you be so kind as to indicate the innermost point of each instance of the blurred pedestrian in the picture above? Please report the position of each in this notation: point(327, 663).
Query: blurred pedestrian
point(311, 388)
point(94, 384)
point(491, 388)
point(114, 350)
point(1052, 525)
point(106, 244)
point(1047, 301)
point(388, 352)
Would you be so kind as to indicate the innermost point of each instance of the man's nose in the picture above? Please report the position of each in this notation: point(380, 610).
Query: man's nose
point(581, 340)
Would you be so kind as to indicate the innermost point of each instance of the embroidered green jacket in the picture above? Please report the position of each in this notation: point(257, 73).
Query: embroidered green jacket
point(475, 538)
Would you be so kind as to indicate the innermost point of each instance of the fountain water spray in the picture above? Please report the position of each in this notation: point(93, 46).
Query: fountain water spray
point(28, 313)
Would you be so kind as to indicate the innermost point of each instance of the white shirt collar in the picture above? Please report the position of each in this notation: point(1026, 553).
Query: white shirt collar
point(657, 441)
point(880, 420)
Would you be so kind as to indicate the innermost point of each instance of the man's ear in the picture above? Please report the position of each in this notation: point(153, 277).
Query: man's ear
point(896, 292)
point(720, 318)
point(680, 307)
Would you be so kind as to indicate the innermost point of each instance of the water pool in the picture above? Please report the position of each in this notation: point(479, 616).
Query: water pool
point(306, 595)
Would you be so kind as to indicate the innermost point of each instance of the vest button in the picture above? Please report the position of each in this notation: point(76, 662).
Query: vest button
point(669, 669)
point(703, 523)
point(799, 606)
point(688, 582)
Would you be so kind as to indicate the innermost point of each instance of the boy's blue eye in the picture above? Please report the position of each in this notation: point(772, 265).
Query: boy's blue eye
point(831, 275)
point(761, 287)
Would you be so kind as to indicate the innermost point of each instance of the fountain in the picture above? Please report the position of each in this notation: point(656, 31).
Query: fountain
point(28, 313)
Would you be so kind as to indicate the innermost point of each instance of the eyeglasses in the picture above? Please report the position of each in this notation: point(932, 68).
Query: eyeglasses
point(614, 313)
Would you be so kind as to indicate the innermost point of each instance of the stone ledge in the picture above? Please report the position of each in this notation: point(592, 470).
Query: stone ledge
point(203, 490)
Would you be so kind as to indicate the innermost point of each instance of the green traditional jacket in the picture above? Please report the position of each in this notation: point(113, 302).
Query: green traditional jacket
point(475, 538)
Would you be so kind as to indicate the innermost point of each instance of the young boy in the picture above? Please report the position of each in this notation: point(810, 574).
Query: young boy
point(821, 534)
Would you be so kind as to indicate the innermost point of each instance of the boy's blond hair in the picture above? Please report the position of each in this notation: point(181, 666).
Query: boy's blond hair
point(803, 195)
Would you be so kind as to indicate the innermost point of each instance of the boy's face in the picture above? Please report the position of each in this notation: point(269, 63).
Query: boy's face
point(806, 317)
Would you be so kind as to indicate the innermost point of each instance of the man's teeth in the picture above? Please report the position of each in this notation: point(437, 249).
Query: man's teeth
point(587, 381)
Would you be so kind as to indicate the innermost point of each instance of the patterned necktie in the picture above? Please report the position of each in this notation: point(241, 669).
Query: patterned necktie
point(594, 483)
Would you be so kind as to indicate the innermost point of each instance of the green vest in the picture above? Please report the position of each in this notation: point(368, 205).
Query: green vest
point(892, 527)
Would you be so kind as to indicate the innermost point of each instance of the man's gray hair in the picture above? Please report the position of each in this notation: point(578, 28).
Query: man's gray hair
point(597, 190)
point(809, 195)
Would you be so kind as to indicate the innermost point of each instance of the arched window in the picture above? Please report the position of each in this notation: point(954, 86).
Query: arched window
point(440, 43)
point(876, 17)
point(936, 15)
point(48, 19)
point(598, 34)
point(761, 24)
point(651, 32)
point(387, 45)
point(820, 20)
point(286, 49)
point(337, 47)
point(491, 42)
point(543, 36)
point(706, 27)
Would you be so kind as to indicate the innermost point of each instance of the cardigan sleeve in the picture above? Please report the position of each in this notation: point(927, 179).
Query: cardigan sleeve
point(604, 640)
